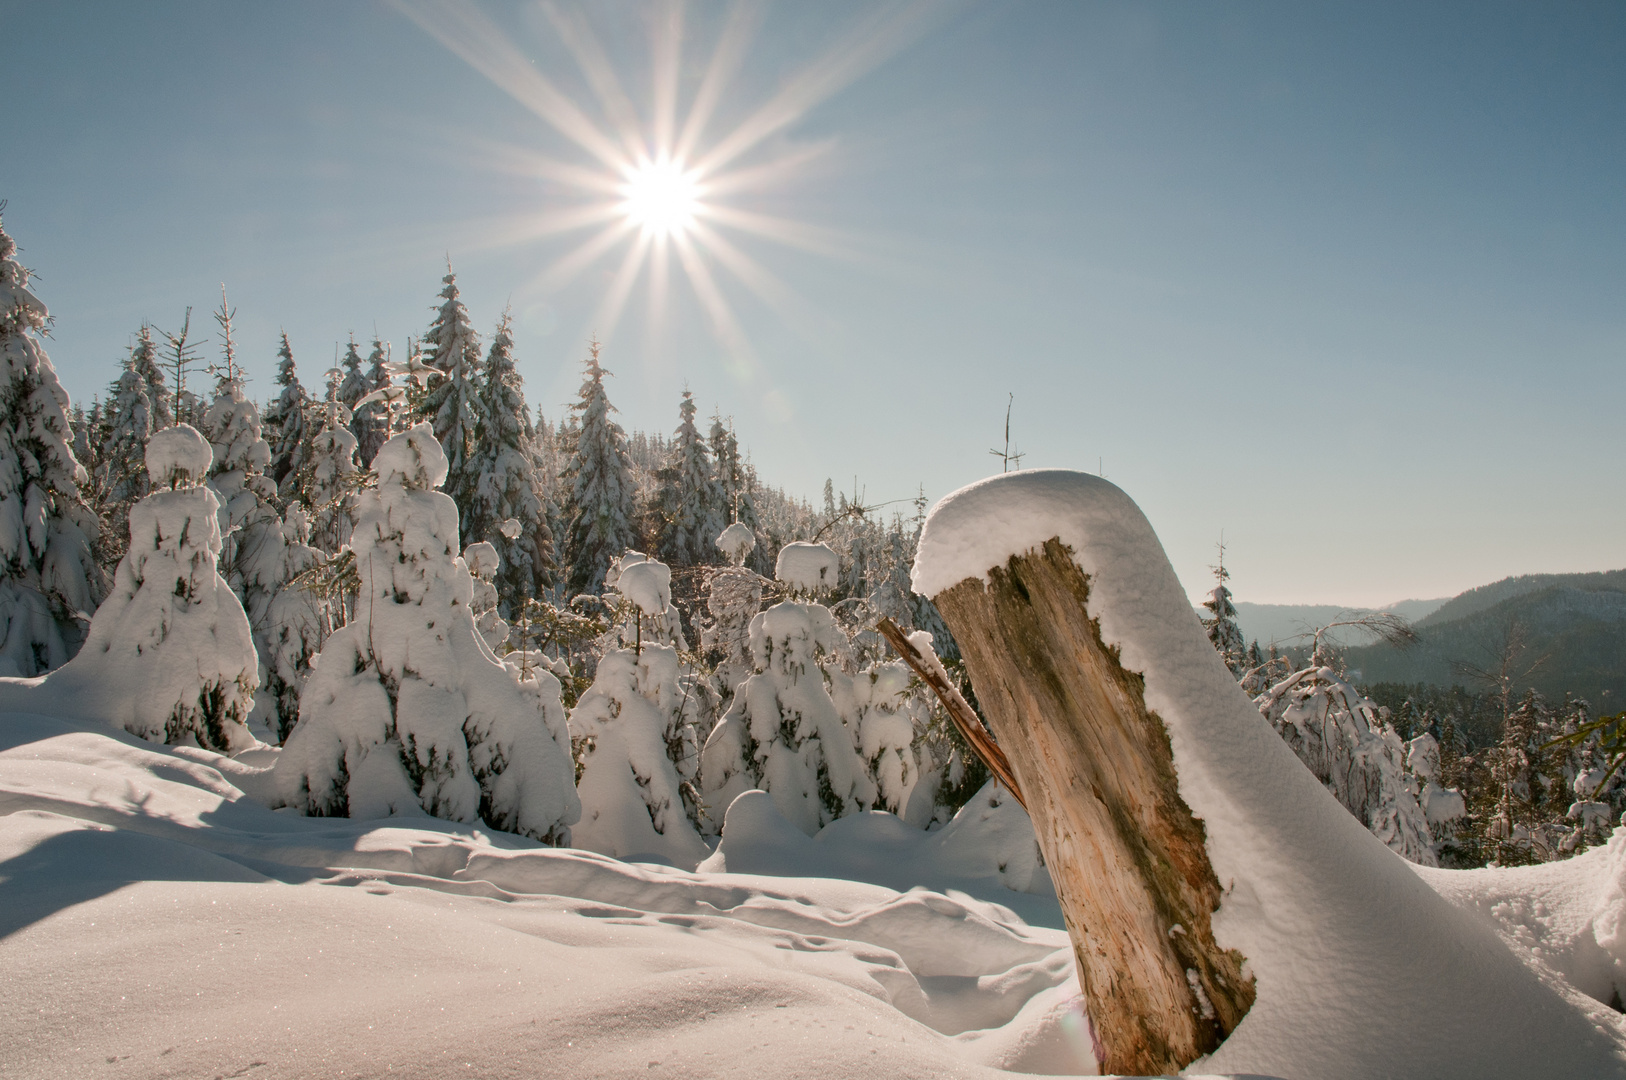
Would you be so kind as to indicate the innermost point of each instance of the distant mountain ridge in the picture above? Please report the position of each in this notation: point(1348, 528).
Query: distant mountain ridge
point(1573, 630)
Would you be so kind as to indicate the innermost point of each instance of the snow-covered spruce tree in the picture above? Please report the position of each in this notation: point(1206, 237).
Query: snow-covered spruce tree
point(733, 598)
point(352, 383)
point(603, 502)
point(1220, 622)
point(49, 576)
point(250, 528)
point(689, 502)
point(327, 477)
point(169, 656)
point(634, 734)
point(481, 559)
point(298, 622)
point(121, 477)
point(284, 421)
point(407, 709)
point(370, 422)
point(452, 403)
point(504, 510)
point(145, 359)
point(1346, 741)
point(783, 732)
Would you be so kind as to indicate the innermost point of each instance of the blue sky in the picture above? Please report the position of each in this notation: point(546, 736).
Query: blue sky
point(1344, 282)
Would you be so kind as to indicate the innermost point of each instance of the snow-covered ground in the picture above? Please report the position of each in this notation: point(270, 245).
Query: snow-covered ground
point(155, 920)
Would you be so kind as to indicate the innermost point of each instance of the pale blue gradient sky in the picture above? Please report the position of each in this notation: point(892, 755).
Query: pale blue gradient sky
point(1344, 281)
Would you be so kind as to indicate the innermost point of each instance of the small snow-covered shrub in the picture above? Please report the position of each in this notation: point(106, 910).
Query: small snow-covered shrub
point(407, 708)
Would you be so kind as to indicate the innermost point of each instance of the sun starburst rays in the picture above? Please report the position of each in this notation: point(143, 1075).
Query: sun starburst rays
point(658, 183)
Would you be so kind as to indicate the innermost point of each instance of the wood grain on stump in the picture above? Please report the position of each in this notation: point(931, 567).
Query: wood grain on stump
point(1127, 857)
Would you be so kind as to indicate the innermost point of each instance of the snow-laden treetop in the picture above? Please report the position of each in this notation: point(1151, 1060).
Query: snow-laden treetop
point(736, 542)
point(647, 583)
point(807, 568)
point(413, 459)
point(179, 456)
point(17, 304)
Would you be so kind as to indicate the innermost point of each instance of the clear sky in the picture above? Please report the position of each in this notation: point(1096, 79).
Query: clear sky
point(1343, 281)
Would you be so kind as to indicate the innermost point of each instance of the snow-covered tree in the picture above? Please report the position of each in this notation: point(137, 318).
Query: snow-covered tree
point(352, 383)
point(145, 359)
point(407, 708)
point(504, 510)
point(297, 623)
point(603, 503)
point(284, 421)
point(121, 476)
point(783, 732)
point(169, 656)
point(452, 402)
point(1220, 622)
point(250, 528)
point(49, 577)
point(1347, 742)
point(327, 477)
point(370, 421)
point(689, 503)
point(634, 733)
point(733, 598)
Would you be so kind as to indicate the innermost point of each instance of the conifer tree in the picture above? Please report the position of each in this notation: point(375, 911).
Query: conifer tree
point(452, 402)
point(284, 421)
point(121, 478)
point(160, 400)
point(370, 421)
point(327, 476)
point(48, 575)
point(407, 708)
point(169, 657)
point(251, 531)
point(353, 385)
point(1223, 631)
point(689, 503)
point(504, 510)
point(599, 474)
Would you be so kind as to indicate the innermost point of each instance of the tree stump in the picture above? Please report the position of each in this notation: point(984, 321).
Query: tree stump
point(1097, 771)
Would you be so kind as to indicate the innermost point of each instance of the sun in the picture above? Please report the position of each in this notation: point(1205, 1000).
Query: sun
point(661, 197)
point(665, 184)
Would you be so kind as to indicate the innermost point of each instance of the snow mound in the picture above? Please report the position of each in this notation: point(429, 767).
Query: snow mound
point(736, 542)
point(1362, 969)
point(178, 456)
point(807, 568)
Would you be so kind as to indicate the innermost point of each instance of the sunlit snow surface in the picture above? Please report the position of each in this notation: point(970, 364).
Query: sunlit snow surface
point(154, 918)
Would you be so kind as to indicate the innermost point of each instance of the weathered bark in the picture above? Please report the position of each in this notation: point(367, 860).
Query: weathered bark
point(1096, 768)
